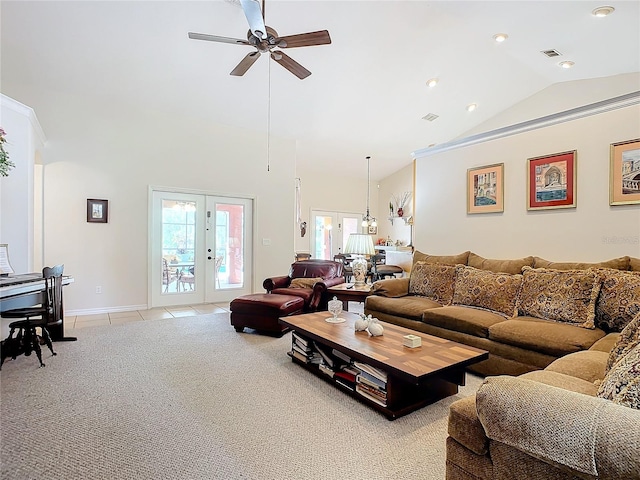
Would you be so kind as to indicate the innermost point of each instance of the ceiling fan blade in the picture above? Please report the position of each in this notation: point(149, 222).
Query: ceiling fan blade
point(291, 65)
point(253, 13)
point(215, 38)
point(306, 39)
point(244, 64)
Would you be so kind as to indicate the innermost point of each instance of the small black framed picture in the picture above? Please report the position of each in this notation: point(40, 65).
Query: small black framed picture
point(97, 210)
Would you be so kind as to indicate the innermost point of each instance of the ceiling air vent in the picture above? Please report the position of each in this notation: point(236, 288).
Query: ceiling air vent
point(551, 53)
point(430, 117)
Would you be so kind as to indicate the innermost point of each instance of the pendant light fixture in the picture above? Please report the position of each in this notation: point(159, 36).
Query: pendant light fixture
point(368, 220)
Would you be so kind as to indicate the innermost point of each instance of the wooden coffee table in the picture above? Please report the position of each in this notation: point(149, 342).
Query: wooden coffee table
point(415, 377)
point(348, 292)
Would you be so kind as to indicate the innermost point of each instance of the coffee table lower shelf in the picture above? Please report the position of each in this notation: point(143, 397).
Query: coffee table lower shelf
point(402, 397)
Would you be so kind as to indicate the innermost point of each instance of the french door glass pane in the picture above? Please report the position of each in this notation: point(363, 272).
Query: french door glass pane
point(178, 245)
point(229, 246)
point(324, 237)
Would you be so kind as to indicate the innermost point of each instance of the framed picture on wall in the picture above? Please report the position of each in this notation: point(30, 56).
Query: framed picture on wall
point(485, 189)
point(97, 210)
point(624, 178)
point(551, 181)
point(373, 230)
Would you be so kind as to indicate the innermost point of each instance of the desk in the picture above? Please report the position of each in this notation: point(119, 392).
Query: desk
point(25, 290)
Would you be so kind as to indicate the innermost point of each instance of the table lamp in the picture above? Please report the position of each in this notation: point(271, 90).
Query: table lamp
point(359, 244)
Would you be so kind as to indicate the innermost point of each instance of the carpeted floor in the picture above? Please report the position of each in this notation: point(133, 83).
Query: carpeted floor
point(189, 398)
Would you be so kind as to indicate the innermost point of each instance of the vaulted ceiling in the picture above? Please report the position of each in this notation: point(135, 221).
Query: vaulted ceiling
point(367, 94)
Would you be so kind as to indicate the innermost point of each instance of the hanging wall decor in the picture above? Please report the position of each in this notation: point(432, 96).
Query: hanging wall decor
point(624, 177)
point(551, 181)
point(485, 189)
point(97, 211)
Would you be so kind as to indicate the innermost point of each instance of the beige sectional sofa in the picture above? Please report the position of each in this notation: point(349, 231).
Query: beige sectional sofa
point(574, 410)
point(576, 419)
point(525, 312)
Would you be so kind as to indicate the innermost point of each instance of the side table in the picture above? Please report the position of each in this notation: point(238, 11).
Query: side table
point(348, 292)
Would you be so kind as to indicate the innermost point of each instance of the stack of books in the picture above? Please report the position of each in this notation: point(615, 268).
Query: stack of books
point(371, 383)
point(302, 349)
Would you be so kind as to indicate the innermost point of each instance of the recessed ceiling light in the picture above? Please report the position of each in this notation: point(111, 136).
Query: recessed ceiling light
point(566, 64)
point(500, 37)
point(602, 11)
point(432, 82)
point(471, 107)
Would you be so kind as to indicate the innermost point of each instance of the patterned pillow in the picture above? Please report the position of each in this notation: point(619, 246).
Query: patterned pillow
point(497, 292)
point(628, 339)
point(567, 296)
point(619, 299)
point(621, 384)
point(433, 280)
point(304, 282)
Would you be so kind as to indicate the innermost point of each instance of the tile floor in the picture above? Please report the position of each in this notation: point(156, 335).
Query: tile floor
point(83, 321)
point(72, 323)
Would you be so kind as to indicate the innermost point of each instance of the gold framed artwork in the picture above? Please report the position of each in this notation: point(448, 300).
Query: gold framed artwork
point(551, 181)
point(624, 177)
point(485, 189)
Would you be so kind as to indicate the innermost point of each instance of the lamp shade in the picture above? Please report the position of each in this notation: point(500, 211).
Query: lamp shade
point(359, 244)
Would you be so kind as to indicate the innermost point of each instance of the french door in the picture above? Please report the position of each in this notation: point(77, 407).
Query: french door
point(330, 232)
point(200, 248)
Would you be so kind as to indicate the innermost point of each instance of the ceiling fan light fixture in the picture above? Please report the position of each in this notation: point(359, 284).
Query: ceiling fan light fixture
point(602, 11)
point(432, 82)
point(471, 107)
point(500, 37)
point(566, 64)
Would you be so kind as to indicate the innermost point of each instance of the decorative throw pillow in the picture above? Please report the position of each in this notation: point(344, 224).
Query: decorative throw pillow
point(628, 339)
point(619, 299)
point(433, 280)
point(497, 292)
point(621, 384)
point(304, 282)
point(567, 296)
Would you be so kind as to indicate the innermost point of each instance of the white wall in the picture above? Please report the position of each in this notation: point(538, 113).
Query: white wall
point(593, 231)
point(99, 149)
point(23, 139)
point(395, 184)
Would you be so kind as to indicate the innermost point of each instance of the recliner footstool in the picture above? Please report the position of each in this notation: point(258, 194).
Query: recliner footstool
point(261, 311)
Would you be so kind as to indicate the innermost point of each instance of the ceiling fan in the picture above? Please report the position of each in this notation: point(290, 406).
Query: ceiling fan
point(265, 40)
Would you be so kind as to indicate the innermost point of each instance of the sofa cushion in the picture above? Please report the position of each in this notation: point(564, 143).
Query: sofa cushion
point(497, 292)
point(562, 380)
point(410, 306)
point(391, 287)
point(628, 339)
point(304, 282)
point(500, 266)
point(621, 263)
point(443, 259)
point(461, 319)
point(634, 264)
point(433, 280)
point(588, 365)
point(304, 293)
point(465, 427)
point(562, 296)
point(619, 299)
point(606, 343)
point(621, 385)
point(552, 338)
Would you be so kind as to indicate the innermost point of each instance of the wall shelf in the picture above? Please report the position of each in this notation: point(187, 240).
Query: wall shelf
point(407, 220)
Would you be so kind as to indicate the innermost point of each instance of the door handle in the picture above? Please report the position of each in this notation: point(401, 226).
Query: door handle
point(208, 258)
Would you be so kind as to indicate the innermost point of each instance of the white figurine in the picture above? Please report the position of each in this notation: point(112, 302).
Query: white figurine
point(362, 323)
point(375, 328)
